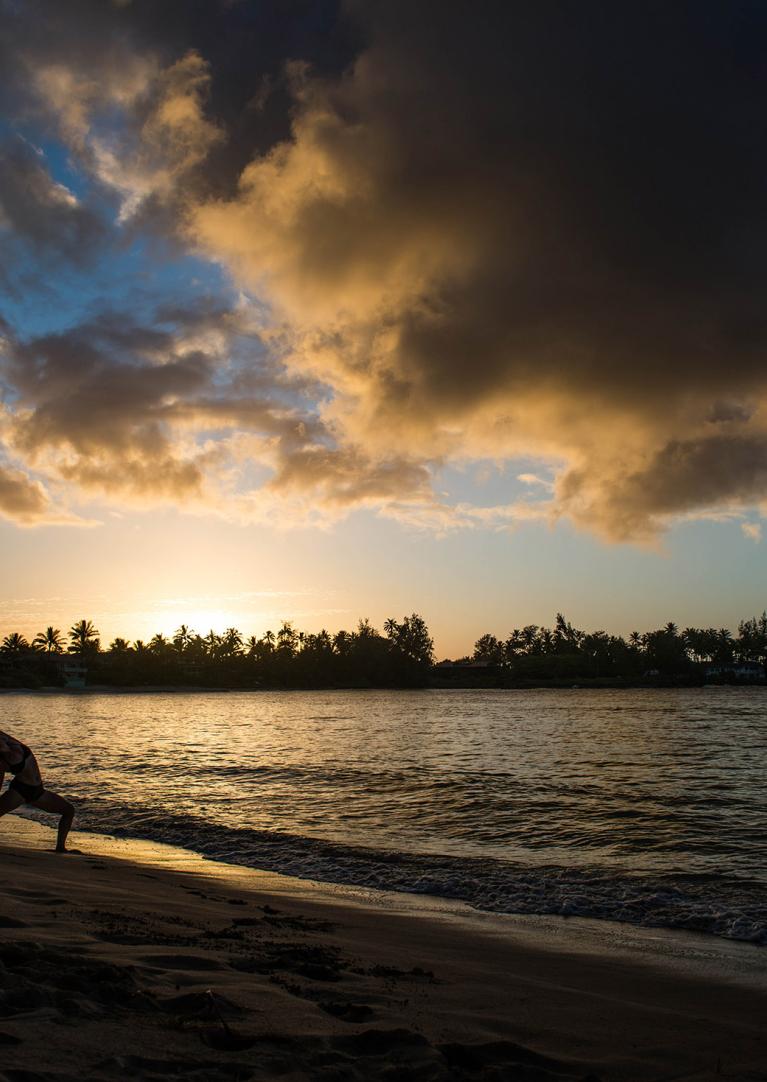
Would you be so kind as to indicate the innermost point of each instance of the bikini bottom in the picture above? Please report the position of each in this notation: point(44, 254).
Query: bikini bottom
point(27, 791)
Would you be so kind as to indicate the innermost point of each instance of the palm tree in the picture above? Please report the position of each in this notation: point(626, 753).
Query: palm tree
point(488, 648)
point(231, 642)
point(84, 636)
point(287, 638)
point(14, 643)
point(342, 642)
point(724, 647)
point(182, 638)
point(158, 644)
point(528, 635)
point(119, 646)
point(50, 640)
point(513, 644)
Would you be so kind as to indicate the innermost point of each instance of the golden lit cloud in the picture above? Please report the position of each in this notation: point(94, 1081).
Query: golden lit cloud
point(445, 256)
point(458, 312)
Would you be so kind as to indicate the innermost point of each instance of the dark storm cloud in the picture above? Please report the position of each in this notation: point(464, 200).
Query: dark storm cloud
point(530, 227)
point(113, 51)
point(493, 230)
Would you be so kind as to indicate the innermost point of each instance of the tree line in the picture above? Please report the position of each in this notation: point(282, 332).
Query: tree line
point(565, 651)
point(401, 656)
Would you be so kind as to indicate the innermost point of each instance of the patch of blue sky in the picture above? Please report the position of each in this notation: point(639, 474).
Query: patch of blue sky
point(250, 477)
point(128, 272)
point(53, 154)
point(140, 279)
point(61, 166)
point(131, 279)
point(490, 483)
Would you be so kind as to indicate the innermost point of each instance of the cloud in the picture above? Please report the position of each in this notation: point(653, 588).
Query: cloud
point(21, 498)
point(40, 211)
point(531, 232)
point(682, 476)
point(533, 480)
point(170, 139)
point(752, 530)
point(494, 236)
point(179, 411)
point(346, 477)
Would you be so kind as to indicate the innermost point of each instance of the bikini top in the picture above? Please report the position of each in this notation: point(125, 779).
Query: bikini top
point(16, 768)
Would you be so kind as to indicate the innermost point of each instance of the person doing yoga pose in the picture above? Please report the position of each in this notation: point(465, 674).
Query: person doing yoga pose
point(27, 787)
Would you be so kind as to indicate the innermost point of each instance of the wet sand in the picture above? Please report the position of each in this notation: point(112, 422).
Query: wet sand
point(144, 962)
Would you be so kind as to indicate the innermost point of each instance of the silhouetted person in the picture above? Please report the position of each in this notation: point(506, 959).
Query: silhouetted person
point(27, 787)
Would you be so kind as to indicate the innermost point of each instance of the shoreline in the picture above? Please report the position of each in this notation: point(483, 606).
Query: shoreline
point(193, 689)
point(223, 969)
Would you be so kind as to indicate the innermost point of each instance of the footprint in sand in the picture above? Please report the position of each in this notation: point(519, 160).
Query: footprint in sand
point(11, 922)
point(180, 961)
point(224, 1039)
point(40, 896)
point(348, 1012)
point(205, 1005)
point(319, 963)
point(139, 1067)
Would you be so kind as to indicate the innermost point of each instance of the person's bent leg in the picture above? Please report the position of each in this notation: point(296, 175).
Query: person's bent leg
point(52, 802)
point(10, 801)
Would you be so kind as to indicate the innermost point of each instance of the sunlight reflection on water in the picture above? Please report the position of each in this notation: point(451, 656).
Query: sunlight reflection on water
point(650, 780)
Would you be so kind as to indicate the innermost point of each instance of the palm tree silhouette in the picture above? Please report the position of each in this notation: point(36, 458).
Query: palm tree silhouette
point(212, 644)
point(158, 644)
point(14, 643)
point(83, 636)
point(231, 642)
point(51, 641)
point(182, 638)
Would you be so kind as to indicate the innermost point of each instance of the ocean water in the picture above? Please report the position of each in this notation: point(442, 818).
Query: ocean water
point(646, 806)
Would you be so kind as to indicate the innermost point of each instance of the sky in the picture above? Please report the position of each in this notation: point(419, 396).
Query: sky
point(317, 310)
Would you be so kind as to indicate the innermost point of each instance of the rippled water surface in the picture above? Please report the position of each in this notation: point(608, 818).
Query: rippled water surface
point(637, 805)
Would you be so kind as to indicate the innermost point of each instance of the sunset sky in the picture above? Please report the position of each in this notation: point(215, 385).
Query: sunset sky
point(316, 310)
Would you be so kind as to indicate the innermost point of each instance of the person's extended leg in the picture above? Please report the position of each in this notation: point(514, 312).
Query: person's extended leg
point(10, 801)
point(52, 802)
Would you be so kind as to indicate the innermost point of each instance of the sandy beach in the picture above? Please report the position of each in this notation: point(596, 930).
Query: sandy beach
point(140, 961)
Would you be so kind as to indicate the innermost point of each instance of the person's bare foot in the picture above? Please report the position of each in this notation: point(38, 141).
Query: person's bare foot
point(79, 852)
